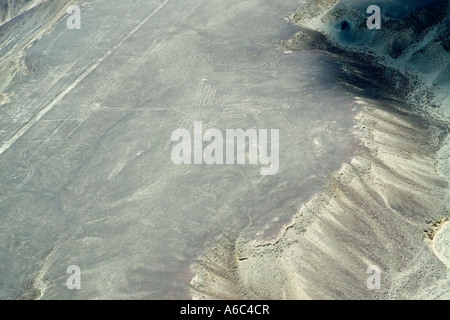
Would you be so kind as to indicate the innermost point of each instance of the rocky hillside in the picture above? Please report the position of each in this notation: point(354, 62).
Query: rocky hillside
point(21, 22)
point(414, 37)
point(9, 9)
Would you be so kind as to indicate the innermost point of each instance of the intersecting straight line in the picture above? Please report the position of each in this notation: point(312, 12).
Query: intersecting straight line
point(60, 96)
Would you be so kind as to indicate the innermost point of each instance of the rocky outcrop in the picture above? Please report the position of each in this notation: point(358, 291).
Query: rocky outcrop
point(414, 38)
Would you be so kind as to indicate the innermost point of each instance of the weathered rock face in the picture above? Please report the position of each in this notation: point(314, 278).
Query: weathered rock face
point(403, 25)
point(414, 37)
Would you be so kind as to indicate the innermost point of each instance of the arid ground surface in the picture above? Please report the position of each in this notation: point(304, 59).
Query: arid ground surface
point(86, 179)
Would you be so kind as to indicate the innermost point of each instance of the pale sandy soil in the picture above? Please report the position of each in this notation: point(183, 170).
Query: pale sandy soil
point(441, 243)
